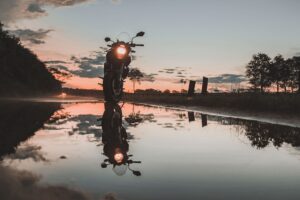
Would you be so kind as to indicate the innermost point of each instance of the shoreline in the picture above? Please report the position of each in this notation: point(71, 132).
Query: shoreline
point(261, 116)
point(272, 118)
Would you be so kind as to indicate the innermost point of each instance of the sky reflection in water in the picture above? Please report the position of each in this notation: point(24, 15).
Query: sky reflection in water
point(183, 155)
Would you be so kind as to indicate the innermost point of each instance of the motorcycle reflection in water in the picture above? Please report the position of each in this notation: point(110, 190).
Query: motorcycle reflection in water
point(115, 142)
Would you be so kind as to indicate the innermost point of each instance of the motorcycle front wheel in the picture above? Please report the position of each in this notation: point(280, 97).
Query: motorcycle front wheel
point(112, 88)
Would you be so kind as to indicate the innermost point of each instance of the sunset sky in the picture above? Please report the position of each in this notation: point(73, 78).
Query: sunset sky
point(184, 38)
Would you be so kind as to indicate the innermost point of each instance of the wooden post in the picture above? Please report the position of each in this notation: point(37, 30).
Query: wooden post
point(204, 85)
point(191, 90)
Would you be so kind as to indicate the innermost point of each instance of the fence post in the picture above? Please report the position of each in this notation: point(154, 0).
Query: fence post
point(191, 91)
point(204, 85)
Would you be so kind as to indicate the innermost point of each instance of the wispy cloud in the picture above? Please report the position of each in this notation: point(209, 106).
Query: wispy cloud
point(227, 78)
point(32, 37)
point(87, 66)
point(14, 10)
point(27, 151)
point(55, 62)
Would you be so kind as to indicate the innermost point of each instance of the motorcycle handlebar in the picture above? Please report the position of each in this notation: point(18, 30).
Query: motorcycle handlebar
point(136, 45)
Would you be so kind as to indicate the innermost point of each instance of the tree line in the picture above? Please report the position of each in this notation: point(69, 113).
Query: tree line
point(21, 71)
point(278, 73)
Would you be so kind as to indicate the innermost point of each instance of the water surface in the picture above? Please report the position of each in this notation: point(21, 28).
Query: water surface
point(175, 154)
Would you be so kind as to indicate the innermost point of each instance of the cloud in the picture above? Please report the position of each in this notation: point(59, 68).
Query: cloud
point(34, 7)
point(27, 151)
point(23, 185)
point(89, 67)
point(55, 62)
point(31, 37)
point(87, 124)
point(148, 77)
point(179, 71)
point(227, 78)
point(14, 10)
point(116, 1)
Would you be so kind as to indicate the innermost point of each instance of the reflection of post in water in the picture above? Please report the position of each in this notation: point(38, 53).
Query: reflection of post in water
point(114, 138)
point(204, 120)
point(191, 116)
point(20, 120)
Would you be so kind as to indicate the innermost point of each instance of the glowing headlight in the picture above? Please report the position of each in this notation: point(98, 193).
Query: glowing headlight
point(121, 51)
point(118, 157)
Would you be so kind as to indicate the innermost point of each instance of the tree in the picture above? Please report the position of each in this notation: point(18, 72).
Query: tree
point(296, 71)
point(275, 72)
point(292, 76)
point(135, 76)
point(285, 74)
point(258, 71)
point(21, 71)
point(183, 82)
point(167, 91)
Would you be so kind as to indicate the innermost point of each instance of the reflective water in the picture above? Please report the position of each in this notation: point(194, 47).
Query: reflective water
point(96, 151)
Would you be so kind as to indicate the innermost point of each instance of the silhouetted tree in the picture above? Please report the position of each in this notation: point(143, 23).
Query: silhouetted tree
point(183, 91)
point(292, 75)
point(183, 82)
point(258, 71)
point(21, 72)
point(135, 76)
point(167, 91)
point(277, 64)
point(296, 71)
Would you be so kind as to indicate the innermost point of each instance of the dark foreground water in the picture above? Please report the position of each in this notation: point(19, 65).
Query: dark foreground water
point(61, 151)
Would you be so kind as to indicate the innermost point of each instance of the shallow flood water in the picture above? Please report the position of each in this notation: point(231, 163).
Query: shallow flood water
point(154, 153)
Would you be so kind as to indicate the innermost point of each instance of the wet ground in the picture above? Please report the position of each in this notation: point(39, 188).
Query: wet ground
point(89, 150)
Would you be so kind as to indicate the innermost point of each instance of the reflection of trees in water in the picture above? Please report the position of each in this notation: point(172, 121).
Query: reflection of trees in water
point(135, 119)
point(20, 120)
point(262, 134)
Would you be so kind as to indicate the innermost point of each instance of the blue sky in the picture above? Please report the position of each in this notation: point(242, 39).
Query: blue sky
point(207, 37)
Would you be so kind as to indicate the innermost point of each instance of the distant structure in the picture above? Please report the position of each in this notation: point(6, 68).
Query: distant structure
point(191, 90)
point(204, 85)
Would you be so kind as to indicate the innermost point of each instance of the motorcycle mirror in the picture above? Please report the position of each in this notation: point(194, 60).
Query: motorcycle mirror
point(107, 39)
point(140, 34)
point(136, 173)
point(103, 165)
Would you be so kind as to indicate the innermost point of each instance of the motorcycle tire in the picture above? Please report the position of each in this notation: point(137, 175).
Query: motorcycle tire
point(110, 95)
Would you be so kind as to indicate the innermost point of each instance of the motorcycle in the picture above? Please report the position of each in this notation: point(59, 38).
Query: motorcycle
point(116, 67)
point(114, 138)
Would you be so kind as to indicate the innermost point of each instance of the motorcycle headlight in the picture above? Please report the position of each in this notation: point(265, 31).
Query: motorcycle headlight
point(119, 157)
point(121, 51)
